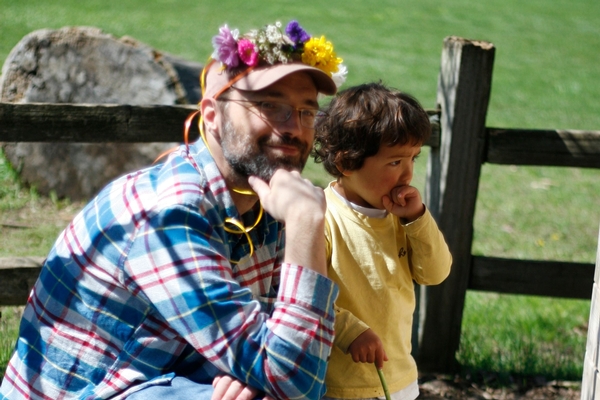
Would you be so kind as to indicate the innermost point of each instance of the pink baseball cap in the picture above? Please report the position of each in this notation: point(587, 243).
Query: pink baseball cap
point(218, 80)
point(258, 59)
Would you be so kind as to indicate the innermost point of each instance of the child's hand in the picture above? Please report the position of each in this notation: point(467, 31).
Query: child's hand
point(367, 347)
point(404, 202)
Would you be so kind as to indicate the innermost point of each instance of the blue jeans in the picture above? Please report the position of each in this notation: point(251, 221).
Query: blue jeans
point(178, 389)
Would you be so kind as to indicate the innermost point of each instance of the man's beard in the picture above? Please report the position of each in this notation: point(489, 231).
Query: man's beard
point(249, 158)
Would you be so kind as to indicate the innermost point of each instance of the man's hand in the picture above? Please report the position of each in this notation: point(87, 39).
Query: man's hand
point(288, 195)
point(367, 347)
point(301, 206)
point(228, 388)
point(404, 202)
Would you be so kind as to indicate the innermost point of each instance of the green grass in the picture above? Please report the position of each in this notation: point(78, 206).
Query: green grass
point(538, 213)
point(545, 76)
point(9, 330)
point(25, 229)
point(532, 336)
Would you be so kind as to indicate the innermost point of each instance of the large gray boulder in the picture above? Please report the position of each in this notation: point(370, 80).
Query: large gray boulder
point(86, 65)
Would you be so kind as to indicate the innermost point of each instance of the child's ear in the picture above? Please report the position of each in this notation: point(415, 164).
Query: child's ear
point(339, 156)
point(344, 172)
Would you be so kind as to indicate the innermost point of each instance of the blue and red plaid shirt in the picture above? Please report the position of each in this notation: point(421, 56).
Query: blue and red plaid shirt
point(145, 284)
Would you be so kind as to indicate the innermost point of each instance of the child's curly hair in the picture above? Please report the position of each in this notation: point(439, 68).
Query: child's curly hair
point(362, 118)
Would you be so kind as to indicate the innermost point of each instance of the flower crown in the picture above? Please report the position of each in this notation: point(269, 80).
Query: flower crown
point(274, 46)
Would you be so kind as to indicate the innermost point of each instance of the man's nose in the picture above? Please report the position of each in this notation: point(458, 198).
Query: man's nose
point(293, 125)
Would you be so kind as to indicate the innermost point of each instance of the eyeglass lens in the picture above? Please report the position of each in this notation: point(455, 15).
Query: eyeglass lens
point(281, 112)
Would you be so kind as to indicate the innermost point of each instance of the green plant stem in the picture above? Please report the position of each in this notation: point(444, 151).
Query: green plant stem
point(383, 383)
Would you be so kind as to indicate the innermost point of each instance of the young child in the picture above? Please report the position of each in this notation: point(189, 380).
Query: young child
point(380, 238)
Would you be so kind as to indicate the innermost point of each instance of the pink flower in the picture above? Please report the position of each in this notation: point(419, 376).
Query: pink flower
point(226, 49)
point(247, 52)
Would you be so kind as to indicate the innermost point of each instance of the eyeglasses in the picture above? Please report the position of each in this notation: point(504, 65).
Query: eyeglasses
point(275, 111)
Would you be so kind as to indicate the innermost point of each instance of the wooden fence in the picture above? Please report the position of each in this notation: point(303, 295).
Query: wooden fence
point(454, 166)
point(451, 191)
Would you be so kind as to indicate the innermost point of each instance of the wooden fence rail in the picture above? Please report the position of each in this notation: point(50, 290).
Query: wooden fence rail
point(18, 276)
point(561, 148)
point(92, 123)
point(456, 157)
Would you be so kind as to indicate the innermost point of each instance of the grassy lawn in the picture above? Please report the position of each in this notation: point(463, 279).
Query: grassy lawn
point(536, 337)
point(8, 334)
point(545, 76)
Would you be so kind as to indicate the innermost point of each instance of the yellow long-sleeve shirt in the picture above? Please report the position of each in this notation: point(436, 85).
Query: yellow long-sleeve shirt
point(374, 262)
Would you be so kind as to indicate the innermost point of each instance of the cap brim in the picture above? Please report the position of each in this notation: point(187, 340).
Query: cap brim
point(263, 76)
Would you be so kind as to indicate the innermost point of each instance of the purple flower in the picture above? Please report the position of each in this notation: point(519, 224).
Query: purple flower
point(247, 52)
point(226, 48)
point(296, 33)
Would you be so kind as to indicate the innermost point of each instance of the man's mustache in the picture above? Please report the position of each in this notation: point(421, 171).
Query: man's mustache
point(286, 141)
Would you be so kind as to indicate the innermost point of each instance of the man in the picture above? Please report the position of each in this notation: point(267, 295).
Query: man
point(173, 277)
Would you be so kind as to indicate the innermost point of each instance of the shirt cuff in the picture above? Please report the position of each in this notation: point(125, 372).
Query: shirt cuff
point(308, 289)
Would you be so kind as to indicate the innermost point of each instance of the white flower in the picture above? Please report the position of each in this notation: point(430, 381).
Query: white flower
point(273, 33)
point(339, 77)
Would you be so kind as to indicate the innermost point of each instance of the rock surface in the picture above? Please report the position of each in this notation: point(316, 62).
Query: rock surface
point(86, 65)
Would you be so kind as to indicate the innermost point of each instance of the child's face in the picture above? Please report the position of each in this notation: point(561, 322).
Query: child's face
point(389, 168)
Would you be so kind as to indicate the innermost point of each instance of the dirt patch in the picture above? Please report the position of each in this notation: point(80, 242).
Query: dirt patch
point(445, 387)
point(32, 229)
point(41, 211)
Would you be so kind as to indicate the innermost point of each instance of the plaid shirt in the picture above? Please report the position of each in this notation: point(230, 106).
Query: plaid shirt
point(145, 284)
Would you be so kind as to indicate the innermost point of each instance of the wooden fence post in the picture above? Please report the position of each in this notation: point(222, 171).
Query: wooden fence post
point(453, 171)
point(590, 387)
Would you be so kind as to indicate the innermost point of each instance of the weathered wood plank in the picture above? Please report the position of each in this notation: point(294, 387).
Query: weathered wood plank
point(93, 123)
point(464, 87)
point(434, 119)
point(566, 148)
point(20, 262)
point(17, 277)
point(532, 277)
point(104, 123)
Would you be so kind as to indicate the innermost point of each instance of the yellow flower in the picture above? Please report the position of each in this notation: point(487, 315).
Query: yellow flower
point(319, 53)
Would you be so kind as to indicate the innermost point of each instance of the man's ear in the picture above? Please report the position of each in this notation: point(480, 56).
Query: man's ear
point(210, 115)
